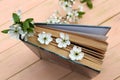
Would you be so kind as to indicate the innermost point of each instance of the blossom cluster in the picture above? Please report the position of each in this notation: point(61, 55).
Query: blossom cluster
point(55, 18)
point(72, 15)
point(20, 29)
point(63, 41)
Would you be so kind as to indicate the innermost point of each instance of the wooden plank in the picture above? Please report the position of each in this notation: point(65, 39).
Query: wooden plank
point(7, 43)
point(15, 59)
point(117, 78)
point(8, 7)
point(26, 8)
point(113, 35)
point(4, 39)
point(43, 11)
point(103, 10)
point(113, 9)
point(110, 68)
point(75, 76)
point(42, 70)
point(112, 71)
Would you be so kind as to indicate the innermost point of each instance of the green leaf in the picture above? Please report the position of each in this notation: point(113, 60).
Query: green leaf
point(31, 25)
point(5, 31)
point(16, 18)
point(30, 30)
point(80, 14)
point(89, 4)
point(82, 1)
point(25, 25)
point(29, 20)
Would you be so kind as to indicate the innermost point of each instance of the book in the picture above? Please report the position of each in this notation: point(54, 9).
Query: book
point(89, 38)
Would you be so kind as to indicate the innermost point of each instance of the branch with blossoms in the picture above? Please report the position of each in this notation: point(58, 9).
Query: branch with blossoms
point(20, 29)
point(24, 29)
point(72, 15)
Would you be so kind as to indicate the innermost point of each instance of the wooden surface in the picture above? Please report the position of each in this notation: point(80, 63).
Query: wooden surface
point(18, 62)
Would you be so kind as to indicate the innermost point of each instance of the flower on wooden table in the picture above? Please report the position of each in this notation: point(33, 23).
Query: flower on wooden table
point(56, 19)
point(66, 4)
point(80, 8)
point(76, 53)
point(15, 31)
point(45, 38)
point(75, 15)
point(63, 41)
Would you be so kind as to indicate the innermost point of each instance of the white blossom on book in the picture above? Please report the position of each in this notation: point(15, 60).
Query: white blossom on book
point(63, 41)
point(45, 38)
point(76, 53)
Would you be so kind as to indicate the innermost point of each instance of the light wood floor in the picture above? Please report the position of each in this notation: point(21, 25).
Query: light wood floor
point(18, 62)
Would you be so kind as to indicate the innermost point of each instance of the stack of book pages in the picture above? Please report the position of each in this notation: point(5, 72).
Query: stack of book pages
point(92, 40)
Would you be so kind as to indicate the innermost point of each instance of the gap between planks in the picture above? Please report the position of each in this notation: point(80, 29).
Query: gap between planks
point(104, 22)
point(23, 69)
point(26, 11)
point(109, 18)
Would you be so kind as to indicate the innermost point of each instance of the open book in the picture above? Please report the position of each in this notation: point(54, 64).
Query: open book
point(92, 39)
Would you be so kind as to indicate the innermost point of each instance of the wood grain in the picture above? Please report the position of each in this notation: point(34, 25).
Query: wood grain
point(14, 5)
point(41, 70)
point(104, 12)
point(12, 60)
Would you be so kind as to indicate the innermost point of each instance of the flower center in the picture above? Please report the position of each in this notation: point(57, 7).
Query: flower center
point(45, 38)
point(64, 41)
point(76, 54)
point(16, 31)
point(66, 5)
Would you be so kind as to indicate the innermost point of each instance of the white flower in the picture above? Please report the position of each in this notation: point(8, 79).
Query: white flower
point(63, 41)
point(25, 35)
point(15, 31)
point(76, 53)
point(45, 38)
point(55, 18)
point(81, 8)
point(66, 4)
point(72, 16)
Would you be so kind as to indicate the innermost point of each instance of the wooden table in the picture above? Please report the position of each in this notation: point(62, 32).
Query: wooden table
point(18, 62)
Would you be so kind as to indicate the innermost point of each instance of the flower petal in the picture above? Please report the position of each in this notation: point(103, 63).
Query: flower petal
point(71, 56)
point(41, 41)
point(68, 42)
point(60, 45)
point(58, 40)
point(66, 37)
point(62, 35)
point(71, 51)
point(64, 45)
point(75, 48)
point(80, 56)
point(47, 42)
